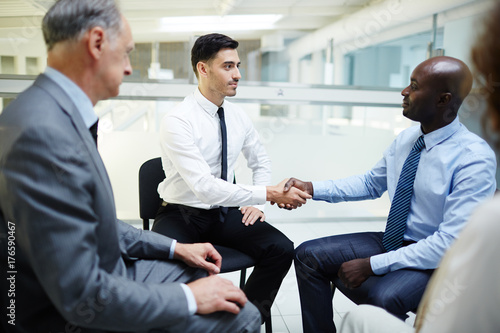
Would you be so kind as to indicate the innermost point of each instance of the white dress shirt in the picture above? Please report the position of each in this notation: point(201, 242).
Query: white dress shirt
point(191, 156)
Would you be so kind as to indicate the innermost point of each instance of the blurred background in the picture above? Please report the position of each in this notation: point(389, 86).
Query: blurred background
point(321, 81)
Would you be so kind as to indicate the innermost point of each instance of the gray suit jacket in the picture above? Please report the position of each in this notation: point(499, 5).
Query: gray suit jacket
point(71, 253)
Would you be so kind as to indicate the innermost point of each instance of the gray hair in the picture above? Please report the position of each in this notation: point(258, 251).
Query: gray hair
point(70, 19)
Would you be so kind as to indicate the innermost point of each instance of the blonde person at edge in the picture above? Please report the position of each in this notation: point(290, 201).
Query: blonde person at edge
point(463, 295)
point(201, 198)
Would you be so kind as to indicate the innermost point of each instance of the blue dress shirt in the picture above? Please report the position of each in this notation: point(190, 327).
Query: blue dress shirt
point(455, 173)
point(76, 94)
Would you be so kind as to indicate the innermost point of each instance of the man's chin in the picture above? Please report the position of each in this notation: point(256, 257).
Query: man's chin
point(231, 93)
point(408, 114)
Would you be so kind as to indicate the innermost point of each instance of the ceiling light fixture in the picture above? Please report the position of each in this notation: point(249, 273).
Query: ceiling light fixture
point(218, 23)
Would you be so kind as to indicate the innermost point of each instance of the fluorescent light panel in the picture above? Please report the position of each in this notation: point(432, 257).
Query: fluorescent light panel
point(219, 23)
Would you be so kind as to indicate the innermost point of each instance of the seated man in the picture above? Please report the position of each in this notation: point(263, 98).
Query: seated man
point(435, 173)
point(201, 140)
point(463, 294)
point(67, 263)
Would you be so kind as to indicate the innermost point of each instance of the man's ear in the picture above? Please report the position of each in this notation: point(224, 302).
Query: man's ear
point(95, 42)
point(202, 68)
point(444, 99)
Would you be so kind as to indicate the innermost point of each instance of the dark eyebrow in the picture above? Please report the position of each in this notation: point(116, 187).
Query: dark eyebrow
point(231, 63)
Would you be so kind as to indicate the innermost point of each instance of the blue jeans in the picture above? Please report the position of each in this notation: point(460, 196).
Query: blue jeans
point(317, 263)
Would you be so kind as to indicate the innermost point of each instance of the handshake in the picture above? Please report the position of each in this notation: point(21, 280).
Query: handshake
point(290, 193)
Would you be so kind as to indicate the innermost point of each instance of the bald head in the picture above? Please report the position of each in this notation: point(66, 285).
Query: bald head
point(437, 89)
point(449, 75)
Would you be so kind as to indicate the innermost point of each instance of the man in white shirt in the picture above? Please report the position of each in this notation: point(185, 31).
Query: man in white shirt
point(201, 140)
point(68, 263)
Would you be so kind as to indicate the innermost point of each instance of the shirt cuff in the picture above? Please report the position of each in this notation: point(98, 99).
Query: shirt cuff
point(321, 190)
point(378, 264)
point(172, 249)
point(259, 195)
point(192, 307)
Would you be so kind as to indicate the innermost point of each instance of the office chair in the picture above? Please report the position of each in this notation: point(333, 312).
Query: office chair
point(150, 175)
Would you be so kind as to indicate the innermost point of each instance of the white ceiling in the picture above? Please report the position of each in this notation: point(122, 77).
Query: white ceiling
point(299, 16)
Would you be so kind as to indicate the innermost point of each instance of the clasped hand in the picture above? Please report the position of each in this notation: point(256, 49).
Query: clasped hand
point(291, 193)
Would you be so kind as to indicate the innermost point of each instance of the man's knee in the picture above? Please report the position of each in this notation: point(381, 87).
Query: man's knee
point(308, 254)
point(283, 247)
point(301, 257)
point(287, 247)
point(388, 299)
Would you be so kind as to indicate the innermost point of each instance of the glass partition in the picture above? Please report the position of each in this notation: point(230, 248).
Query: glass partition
point(309, 132)
point(325, 138)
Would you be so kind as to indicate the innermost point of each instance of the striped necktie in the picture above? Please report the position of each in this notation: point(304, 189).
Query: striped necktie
point(398, 214)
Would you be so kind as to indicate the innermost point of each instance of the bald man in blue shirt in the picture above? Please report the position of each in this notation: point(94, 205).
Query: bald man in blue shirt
point(456, 171)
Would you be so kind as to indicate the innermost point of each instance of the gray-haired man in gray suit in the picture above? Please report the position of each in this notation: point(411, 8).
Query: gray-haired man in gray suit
point(67, 263)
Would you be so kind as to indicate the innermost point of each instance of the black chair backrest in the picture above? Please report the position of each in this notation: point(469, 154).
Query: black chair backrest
point(150, 175)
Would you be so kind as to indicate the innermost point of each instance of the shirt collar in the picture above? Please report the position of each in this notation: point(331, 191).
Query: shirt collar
point(76, 94)
point(436, 137)
point(208, 106)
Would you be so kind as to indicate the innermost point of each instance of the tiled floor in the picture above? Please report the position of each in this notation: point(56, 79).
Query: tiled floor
point(286, 317)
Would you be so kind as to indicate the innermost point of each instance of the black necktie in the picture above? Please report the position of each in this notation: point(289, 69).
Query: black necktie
point(223, 210)
point(224, 143)
point(93, 131)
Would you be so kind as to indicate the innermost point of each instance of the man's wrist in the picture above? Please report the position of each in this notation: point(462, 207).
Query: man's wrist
point(310, 188)
point(271, 193)
point(191, 300)
point(369, 266)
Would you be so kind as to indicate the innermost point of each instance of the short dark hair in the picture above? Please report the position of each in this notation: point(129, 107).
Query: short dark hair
point(206, 47)
point(69, 19)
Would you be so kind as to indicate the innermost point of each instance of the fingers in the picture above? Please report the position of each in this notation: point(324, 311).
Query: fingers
point(293, 199)
point(304, 195)
point(211, 268)
point(234, 300)
point(290, 183)
point(199, 255)
point(296, 194)
point(214, 259)
point(298, 197)
point(214, 294)
point(251, 215)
